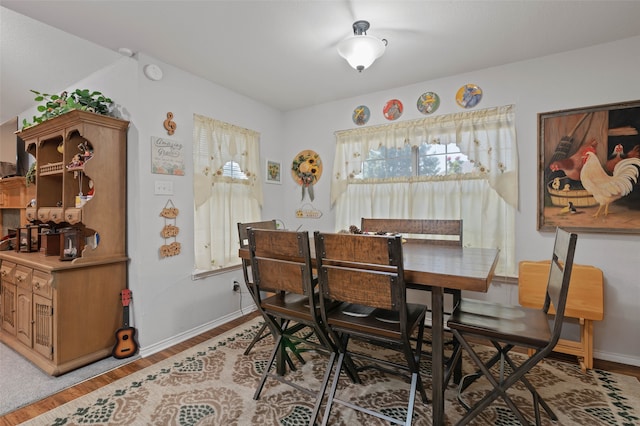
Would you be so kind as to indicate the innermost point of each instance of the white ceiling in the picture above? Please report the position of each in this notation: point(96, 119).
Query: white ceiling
point(283, 53)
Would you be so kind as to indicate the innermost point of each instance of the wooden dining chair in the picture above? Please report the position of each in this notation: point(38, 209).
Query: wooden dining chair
point(368, 271)
point(428, 231)
point(433, 231)
point(281, 263)
point(243, 238)
point(507, 326)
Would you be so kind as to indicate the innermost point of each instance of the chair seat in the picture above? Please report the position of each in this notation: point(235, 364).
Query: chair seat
point(524, 326)
point(287, 304)
point(380, 322)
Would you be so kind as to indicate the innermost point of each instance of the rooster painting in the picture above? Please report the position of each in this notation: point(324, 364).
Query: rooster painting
point(604, 188)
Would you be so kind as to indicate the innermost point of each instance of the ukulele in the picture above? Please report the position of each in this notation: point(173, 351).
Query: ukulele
point(126, 344)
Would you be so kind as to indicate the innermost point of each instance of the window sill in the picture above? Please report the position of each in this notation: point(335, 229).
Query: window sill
point(198, 275)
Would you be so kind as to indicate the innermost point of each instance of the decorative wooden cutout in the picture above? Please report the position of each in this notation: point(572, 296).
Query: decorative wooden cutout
point(169, 124)
point(170, 230)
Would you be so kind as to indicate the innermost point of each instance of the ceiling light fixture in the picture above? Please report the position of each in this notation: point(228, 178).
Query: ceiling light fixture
point(360, 50)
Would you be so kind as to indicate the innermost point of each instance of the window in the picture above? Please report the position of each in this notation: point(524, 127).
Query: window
point(227, 190)
point(457, 166)
point(423, 160)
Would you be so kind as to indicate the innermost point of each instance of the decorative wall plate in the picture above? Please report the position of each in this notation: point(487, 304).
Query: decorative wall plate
point(361, 115)
point(392, 109)
point(469, 96)
point(428, 102)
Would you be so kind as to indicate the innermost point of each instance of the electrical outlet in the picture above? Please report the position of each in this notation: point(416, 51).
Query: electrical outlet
point(163, 187)
point(236, 286)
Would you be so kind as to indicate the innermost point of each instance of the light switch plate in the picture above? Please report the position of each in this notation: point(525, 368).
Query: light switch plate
point(163, 187)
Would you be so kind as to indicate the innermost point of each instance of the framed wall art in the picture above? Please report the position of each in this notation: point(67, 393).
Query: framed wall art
point(273, 172)
point(589, 169)
point(167, 156)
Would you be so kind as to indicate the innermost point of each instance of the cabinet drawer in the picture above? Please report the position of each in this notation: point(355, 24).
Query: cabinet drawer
point(42, 284)
point(43, 214)
point(23, 276)
point(31, 213)
point(7, 271)
point(56, 215)
point(73, 216)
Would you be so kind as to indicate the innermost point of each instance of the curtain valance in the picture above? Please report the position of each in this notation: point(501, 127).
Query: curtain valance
point(218, 143)
point(487, 137)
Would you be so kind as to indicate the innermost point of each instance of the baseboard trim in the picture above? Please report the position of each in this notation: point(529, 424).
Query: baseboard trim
point(619, 358)
point(188, 334)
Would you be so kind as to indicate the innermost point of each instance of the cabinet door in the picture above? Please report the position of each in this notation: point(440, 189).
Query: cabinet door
point(23, 317)
point(43, 326)
point(9, 307)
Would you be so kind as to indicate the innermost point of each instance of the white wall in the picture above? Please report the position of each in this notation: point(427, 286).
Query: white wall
point(168, 306)
point(597, 75)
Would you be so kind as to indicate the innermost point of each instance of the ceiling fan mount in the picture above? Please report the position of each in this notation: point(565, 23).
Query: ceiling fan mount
point(360, 27)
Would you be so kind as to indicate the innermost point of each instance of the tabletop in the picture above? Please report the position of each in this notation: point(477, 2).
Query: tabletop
point(464, 268)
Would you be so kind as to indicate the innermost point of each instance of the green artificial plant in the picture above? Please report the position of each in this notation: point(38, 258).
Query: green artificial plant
point(56, 105)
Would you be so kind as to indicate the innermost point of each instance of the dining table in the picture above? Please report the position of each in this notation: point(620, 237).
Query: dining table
point(438, 267)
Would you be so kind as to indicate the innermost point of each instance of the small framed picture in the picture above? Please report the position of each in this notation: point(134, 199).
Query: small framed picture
point(273, 172)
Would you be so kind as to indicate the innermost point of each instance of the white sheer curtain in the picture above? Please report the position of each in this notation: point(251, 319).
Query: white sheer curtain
point(485, 200)
point(227, 189)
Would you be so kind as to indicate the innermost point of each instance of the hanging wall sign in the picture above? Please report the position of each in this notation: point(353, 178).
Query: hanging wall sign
point(307, 211)
point(170, 230)
point(167, 156)
point(306, 170)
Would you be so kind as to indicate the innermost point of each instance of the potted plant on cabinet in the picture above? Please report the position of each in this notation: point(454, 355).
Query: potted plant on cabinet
point(82, 99)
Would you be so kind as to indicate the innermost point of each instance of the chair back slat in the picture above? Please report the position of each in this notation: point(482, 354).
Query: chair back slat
point(431, 231)
point(362, 269)
point(280, 260)
point(343, 248)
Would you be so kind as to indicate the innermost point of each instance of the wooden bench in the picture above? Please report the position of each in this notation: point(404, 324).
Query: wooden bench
point(585, 302)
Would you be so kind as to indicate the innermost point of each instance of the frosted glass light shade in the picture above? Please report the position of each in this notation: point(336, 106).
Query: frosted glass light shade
point(361, 50)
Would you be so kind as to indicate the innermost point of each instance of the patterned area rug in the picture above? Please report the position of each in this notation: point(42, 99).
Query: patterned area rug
point(213, 384)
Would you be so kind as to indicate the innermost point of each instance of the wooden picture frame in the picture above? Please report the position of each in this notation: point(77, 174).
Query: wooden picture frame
point(572, 186)
point(273, 172)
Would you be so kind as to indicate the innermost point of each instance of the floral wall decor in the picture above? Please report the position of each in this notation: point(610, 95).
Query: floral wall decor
point(306, 170)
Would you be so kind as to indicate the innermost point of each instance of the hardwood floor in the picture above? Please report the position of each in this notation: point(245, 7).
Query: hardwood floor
point(49, 403)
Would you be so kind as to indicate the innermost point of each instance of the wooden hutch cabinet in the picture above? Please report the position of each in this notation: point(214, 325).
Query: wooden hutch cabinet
point(62, 312)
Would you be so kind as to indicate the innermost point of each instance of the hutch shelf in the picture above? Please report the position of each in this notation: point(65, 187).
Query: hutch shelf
point(63, 313)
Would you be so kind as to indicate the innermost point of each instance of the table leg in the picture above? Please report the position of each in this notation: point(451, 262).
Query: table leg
point(437, 356)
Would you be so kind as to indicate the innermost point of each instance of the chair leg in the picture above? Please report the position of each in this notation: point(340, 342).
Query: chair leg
point(499, 388)
point(332, 391)
point(265, 374)
point(537, 399)
point(262, 333)
point(323, 388)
